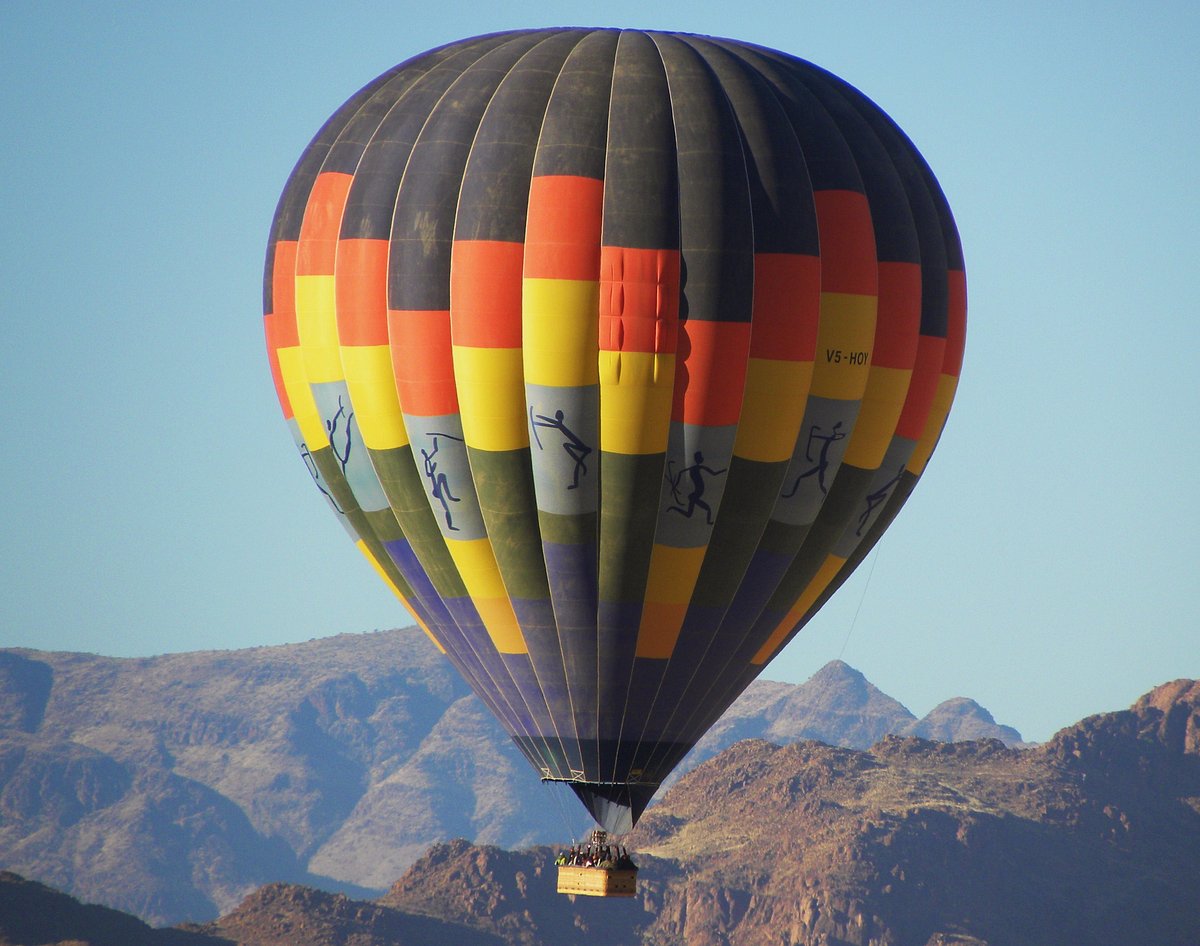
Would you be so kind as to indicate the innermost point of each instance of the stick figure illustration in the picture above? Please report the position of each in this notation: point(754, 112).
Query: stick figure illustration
point(576, 449)
point(331, 428)
point(311, 465)
point(876, 498)
point(695, 473)
point(439, 487)
point(821, 464)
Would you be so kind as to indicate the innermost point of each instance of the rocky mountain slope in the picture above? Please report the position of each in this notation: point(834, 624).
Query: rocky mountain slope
point(840, 707)
point(171, 786)
point(32, 914)
point(1091, 839)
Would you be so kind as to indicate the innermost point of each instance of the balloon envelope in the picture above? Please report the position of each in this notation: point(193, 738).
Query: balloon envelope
point(615, 352)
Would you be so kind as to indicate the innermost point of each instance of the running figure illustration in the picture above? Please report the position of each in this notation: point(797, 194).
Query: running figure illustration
point(331, 428)
point(876, 498)
point(576, 449)
point(439, 488)
point(695, 473)
point(821, 464)
point(311, 464)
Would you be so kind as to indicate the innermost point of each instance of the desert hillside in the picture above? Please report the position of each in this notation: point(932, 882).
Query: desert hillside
point(170, 787)
point(1092, 839)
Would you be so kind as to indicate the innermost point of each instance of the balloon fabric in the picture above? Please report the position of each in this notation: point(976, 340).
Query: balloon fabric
point(615, 352)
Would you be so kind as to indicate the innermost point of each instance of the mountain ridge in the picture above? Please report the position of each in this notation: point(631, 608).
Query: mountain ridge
point(1091, 838)
point(334, 763)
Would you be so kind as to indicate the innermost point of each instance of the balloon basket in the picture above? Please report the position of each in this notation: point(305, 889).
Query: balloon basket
point(615, 877)
point(597, 882)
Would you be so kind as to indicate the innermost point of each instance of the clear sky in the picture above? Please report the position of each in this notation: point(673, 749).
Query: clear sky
point(1047, 564)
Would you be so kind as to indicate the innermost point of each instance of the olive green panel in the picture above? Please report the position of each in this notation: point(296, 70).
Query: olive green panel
point(567, 530)
point(630, 486)
point(782, 538)
point(405, 491)
point(504, 485)
point(745, 511)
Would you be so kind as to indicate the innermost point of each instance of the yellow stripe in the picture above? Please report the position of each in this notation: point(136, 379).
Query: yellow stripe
point(673, 573)
point(844, 341)
point(669, 587)
point(559, 331)
point(491, 397)
point(938, 412)
point(295, 382)
point(501, 623)
point(362, 547)
point(772, 409)
point(635, 401)
point(476, 563)
point(829, 569)
point(876, 424)
point(372, 388)
point(316, 322)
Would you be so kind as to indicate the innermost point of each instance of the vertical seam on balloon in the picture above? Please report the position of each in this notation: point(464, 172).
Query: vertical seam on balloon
point(658, 754)
point(545, 564)
point(458, 642)
point(532, 739)
point(551, 716)
point(706, 48)
point(772, 83)
point(599, 394)
point(654, 38)
point(498, 696)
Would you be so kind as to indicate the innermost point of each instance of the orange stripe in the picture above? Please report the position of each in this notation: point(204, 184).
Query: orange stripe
point(361, 292)
point(283, 295)
point(280, 328)
point(787, 306)
point(659, 629)
point(956, 330)
point(485, 293)
point(422, 361)
point(562, 232)
point(847, 243)
point(710, 372)
point(277, 376)
point(898, 324)
point(279, 325)
point(322, 220)
point(639, 300)
point(931, 353)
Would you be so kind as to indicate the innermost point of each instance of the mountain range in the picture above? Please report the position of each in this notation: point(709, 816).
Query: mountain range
point(1092, 839)
point(170, 787)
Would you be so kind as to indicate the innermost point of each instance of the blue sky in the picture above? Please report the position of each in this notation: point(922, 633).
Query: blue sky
point(1047, 564)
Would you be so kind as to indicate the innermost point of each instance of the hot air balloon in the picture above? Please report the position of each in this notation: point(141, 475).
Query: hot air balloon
point(615, 352)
